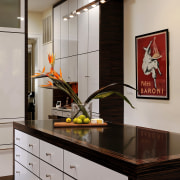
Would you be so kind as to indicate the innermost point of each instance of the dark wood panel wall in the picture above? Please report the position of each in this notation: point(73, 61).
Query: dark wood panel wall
point(111, 58)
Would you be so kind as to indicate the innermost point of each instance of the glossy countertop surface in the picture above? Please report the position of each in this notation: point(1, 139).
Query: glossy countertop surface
point(136, 145)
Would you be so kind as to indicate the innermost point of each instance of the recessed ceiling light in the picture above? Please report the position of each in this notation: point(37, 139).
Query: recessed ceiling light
point(85, 9)
point(102, 1)
point(71, 16)
point(78, 12)
point(65, 19)
point(94, 5)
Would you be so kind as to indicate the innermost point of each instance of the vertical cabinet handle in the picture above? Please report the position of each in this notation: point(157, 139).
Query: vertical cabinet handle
point(30, 164)
point(17, 172)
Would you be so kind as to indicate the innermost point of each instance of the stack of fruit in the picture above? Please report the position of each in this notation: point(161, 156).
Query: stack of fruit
point(82, 119)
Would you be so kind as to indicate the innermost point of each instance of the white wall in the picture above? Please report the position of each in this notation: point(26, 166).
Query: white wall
point(145, 16)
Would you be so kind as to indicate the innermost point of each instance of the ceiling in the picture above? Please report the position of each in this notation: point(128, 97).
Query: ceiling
point(40, 5)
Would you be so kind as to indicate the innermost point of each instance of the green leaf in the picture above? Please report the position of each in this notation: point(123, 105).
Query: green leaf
point(103, 95)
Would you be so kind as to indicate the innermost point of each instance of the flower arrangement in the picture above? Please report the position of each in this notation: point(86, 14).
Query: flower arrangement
point(57, 82)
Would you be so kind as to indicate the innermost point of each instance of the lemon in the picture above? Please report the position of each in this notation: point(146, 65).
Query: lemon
point(68, 120)
point(79, 121)
point(86, 121)
point(75, 120)
point(82, 117)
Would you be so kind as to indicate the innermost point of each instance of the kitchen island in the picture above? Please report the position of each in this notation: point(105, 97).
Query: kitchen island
point(134, 153)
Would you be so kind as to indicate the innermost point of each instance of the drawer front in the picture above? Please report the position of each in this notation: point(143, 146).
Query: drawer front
point(81, 168)
point(66, 177)
point(22, 173)
point(27, 142)
point(28, 160)
point(66, 114)
point(51, 154)
point(49, 172)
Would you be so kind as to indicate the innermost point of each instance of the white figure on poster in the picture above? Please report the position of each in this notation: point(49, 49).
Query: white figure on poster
point(150, 63)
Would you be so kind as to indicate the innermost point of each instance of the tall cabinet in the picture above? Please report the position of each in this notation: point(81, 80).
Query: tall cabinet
point(93, 40)
point(12, 63)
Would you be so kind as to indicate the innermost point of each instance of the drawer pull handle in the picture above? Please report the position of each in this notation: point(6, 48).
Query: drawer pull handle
point(17, 155)
point(30, 145)
point(18, 139)
point(48, 154)
point(47, 175)
point(72, 166)
point(30, 164)
point(17, 172)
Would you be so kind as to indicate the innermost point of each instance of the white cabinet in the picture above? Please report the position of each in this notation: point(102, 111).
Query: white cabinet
point(57, 24)
point(64, 30)
point(82, 77)
point(57, 65)
point(72, 29)
point(93, 39)
point(49, 172)
point(51, 154)
point(81, 168)
point(88, 77)
point(69, 69)
point(83, 33)
point(27, 142)
point(56, 163)
point(22, 173)
point(12, 71)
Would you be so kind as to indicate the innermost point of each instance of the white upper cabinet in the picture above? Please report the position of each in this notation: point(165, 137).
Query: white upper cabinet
point(12, 75)
point(64, 68)
point(82, 29)
point(72, 29)
point(93, 43)
point(57, 24)
point(13, 15)
point(57, 65)
point(64, 30)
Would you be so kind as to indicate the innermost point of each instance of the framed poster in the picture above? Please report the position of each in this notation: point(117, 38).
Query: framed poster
point(152, 65)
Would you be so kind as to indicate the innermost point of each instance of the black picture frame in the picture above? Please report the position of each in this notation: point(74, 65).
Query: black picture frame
point(152, 65)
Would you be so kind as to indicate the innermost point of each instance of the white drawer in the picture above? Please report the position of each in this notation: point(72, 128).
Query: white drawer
point(81, 168)
point(22, 173)
point(50, 173)
point(51, 154)
point(66, 177)
point(28, 160)
point(27, 142)
point(66, 114)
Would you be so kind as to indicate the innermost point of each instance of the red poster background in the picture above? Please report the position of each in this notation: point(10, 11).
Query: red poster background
point(145, 83)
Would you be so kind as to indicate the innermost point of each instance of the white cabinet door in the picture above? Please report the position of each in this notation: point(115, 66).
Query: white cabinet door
point(22, 173)
point(83, 169)
point(57, 65)
point(51, 154)
point(82, 77)
point(12, 75)
point(93, 43)
point(64, 68)
point(48, 172)
point(82, 3)
point(72, 69)
point(93, 77)
point(57, 14)
point(72, 29)
point(64, 30)
point(83, 33)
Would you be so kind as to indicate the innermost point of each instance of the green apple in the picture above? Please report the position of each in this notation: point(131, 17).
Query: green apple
point(86, 121)
point(79, 121)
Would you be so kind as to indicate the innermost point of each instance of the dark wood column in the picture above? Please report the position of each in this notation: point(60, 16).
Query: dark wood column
point(111, 58)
